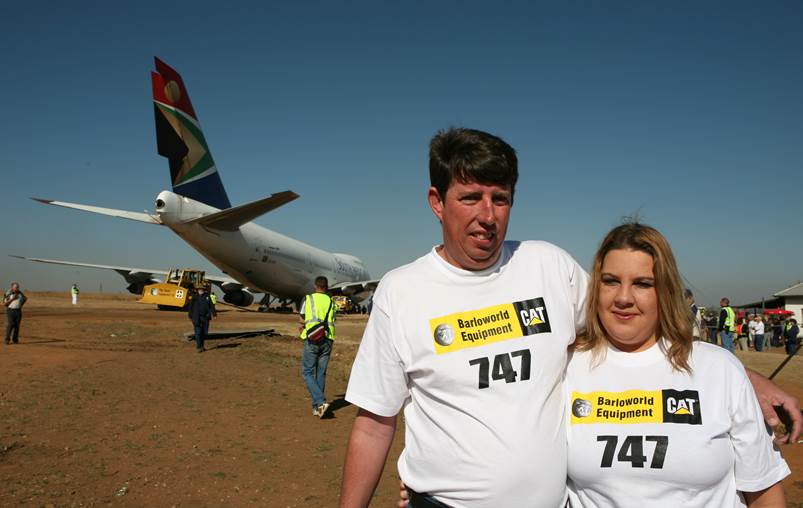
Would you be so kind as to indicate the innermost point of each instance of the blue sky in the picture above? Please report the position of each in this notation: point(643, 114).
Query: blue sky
point(688, 113)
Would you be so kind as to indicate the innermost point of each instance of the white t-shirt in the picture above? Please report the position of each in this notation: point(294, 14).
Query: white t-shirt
point(477, 359)
point(641, 434)
point(757, 327)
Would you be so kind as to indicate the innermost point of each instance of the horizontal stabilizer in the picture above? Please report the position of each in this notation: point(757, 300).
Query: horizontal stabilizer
point(137, 216)
point(232, 218)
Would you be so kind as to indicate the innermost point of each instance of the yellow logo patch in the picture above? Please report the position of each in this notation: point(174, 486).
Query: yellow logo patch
point(637, 406)
point(496, 323)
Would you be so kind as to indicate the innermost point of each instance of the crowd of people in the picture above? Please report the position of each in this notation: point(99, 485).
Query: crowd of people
point(751, 331)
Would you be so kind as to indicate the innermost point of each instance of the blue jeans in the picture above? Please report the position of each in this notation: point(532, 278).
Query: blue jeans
point(201, 330)
point(314, 361)
point(791, 347)
point(727, 340)
point(758, 341)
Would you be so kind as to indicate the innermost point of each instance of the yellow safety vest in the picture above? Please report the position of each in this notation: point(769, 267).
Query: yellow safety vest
point(730, 319)
point(316, 309)
point(213, 298)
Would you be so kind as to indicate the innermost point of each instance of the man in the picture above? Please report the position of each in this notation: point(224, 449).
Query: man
point(318, 333)
point(74, 292)
point(726, 324)
point(471, 340)
point(790, 333)
point(13, 301)
point(201, 311)
point(698, 318)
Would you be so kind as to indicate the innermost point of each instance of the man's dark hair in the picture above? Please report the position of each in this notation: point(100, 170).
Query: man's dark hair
point(727, 301)
point(469, 155)
point(687, 293)
point(322, 282)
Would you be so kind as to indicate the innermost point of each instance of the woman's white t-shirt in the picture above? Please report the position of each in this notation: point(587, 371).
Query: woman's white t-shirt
point(641, 434)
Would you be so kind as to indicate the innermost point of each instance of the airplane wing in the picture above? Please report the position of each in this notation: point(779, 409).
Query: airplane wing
point(135, 216)
point(359, 290)
point(137, 277)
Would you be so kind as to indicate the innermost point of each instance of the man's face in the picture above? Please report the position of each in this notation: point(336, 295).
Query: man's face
point(723, 303)
point(15, 287)
point(474, 219)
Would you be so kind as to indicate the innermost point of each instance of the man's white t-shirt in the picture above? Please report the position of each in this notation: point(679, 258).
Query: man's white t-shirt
point(757, 327)
point(642, 434)
point(477, 359)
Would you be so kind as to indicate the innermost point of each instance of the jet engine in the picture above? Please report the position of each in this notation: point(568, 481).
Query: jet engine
point(135, 288)
point(240, 297)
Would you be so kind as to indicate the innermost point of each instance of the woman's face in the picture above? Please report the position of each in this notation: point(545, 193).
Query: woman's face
point(628, 304)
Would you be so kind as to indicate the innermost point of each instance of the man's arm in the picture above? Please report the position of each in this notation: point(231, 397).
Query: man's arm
point(371, 437)
point(769, 396)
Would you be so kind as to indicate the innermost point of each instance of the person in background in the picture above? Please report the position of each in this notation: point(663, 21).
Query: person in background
point(790, 336)
point(13, 301)
point(201, 312)
point(74, 293)
point(697, 324)
point(777, 333)
point(316, 312)
point(711, 326)
point(757, 325)
point(741, 333)
point(726, 324)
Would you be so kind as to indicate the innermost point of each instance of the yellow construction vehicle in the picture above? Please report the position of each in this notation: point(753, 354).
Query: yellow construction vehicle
point(176, 292)
point(342, 303)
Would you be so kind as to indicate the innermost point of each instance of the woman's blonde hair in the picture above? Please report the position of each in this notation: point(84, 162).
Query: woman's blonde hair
point(674, 316)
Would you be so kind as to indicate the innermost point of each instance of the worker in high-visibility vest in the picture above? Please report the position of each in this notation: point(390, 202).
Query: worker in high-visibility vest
point(318, 333)
point(74, 292)
point(727, 324)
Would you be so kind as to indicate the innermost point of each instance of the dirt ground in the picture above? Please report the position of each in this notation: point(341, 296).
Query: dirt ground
point(106, 403)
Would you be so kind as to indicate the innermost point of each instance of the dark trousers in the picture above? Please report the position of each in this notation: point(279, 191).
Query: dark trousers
point(418, 500)
point(201, 330)
point(13, 320)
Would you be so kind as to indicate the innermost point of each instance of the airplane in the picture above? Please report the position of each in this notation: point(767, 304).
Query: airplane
point(255, 259)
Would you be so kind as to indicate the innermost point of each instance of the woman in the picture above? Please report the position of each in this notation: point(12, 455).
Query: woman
point(657, 419)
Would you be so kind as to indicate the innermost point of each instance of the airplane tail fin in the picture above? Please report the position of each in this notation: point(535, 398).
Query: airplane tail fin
point(179, 138)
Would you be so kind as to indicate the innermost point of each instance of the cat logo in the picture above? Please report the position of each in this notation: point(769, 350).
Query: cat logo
point(682, 406)
point(533, 316)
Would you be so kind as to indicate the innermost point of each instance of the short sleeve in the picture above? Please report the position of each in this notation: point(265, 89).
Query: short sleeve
point(378, 382)
point(578, 284)
point(758, 462)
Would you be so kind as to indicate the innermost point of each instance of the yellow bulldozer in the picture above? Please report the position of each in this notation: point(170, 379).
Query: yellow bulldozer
point(177, 290)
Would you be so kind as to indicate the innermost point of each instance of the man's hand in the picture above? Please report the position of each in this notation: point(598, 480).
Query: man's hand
point(404, 497)
point(770, 397)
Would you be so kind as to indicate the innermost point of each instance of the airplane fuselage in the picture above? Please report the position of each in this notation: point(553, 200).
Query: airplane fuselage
point(261, 259)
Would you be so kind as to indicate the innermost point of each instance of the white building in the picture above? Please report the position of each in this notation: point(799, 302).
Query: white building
point(792, 298)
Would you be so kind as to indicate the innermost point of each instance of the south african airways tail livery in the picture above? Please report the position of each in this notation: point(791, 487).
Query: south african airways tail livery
point(198, 210)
